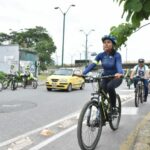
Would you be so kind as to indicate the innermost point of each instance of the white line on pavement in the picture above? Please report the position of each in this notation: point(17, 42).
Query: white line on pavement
point(47, 126)
point(36, 130)
point(53, 138)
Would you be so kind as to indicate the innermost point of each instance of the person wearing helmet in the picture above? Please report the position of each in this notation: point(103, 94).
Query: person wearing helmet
point(111, 64)
point(141, 70)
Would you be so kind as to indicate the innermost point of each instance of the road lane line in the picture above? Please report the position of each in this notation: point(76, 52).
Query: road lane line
point(46, 126)
point(37, 130)
point(126, 101)
point(53, 138)
point(129, 110)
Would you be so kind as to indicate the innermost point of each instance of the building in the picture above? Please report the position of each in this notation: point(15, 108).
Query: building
point(19, 57)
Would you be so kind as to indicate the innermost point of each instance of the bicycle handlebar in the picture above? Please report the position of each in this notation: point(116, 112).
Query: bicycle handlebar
point(100, 77)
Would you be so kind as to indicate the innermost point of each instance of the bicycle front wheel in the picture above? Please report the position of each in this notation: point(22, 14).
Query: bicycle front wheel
point(115, 119)
point(1, 86)
point(89, 126)
point(137, 96)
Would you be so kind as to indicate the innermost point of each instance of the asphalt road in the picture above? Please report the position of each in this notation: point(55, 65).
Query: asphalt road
point(26, 112)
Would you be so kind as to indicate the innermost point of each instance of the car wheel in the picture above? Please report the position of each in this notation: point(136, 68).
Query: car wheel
point(82, 86)
point(48, 89)
point(69, 89)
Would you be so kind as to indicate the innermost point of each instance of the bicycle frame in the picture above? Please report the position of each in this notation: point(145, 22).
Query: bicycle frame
point(101, 97)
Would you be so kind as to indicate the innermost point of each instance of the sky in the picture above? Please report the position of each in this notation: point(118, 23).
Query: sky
point(99, 15)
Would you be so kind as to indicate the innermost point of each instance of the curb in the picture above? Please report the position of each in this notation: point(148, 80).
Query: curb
point(139, 138)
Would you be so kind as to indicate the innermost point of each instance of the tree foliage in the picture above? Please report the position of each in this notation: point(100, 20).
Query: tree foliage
point(122, 32)
point(33, 38)
point(137, 10)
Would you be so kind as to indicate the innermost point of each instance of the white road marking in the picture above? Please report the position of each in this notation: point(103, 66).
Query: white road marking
point(53, 138)
point(133, 111)
point(126, 101)
point(129, 110)
point(36, 130)
point(127, 90)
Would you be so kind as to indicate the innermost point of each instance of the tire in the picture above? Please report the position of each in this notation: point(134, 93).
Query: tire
point(149, 87)
point(1, 86)
point(34, 84)
point(24, 82)
point(14, 85)
point(48, 89)
point(82, 86)
point(5, 84)
point(69, 89)
point(115, 120)
point(137, 97)
point(90, 126)
point(142, 94)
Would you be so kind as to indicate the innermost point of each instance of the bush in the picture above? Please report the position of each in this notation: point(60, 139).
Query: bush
point(2, 75)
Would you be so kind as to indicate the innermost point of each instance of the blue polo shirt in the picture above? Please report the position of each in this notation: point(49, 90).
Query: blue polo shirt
point(111, 64)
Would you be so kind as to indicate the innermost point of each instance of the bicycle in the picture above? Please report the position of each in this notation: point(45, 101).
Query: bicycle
point(94, 115)
point(139, 92)
point(129, 82)
point(1, 86)
point(10, 80)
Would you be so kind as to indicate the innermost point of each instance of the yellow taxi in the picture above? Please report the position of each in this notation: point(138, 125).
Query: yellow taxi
point(64, 78)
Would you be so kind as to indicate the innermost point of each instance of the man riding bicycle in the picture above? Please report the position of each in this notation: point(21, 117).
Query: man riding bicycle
point(141, 71)
point(112, 65)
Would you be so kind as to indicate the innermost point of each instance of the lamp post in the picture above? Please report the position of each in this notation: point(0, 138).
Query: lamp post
point(86, 43)
point(63, 35)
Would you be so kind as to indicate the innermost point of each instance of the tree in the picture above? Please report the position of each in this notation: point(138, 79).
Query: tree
point(3, 38)
point(137, 10)
point(122, 32)
point(33, 38)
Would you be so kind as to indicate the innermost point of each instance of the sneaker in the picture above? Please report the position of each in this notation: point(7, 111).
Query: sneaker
point(114, 111)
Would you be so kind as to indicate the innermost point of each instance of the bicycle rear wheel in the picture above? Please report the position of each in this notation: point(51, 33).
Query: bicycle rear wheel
point(34, 84)
point(89, 126)
point(14, 85)
point(5, 83)
point(115, 119)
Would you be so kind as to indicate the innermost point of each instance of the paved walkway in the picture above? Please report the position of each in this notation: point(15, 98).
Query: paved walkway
point(142, 139)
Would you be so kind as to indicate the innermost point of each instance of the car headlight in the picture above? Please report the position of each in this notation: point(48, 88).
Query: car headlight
point(63, 80)
point(48, 79)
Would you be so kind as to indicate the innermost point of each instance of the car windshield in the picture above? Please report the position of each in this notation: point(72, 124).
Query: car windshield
point(65, 72)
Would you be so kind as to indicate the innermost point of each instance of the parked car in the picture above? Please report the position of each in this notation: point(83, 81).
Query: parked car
point(64, 78)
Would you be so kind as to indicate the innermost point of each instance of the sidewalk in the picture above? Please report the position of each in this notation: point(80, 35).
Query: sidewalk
point(142, 139)
point(139, 139)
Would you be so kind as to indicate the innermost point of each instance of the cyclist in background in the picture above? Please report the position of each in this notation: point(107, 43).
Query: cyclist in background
point(13, 70)
point(141, 71)
point(112, 65)
point(127, 77)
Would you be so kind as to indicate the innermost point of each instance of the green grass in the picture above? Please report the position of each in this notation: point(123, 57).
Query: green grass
point(42, 77)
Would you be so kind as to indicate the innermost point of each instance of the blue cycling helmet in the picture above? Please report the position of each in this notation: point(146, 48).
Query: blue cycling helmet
point(109, 37)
